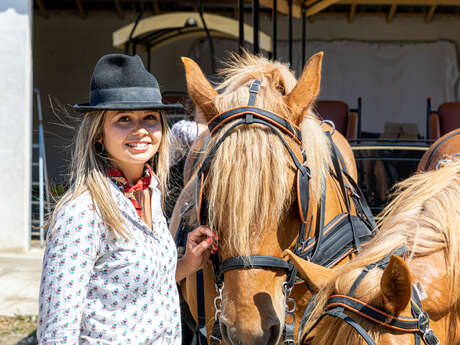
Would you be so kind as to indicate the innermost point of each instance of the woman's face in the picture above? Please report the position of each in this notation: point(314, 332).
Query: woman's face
point(131, 137)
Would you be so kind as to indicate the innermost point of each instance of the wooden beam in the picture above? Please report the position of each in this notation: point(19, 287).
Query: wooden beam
point(384, 15)
point(310, 2)
point(402, 2)
point(351, 15)
point(42, 8)
point(81, 9)
point(430, 14)
point(283, 7)
point(319, 6)
point(119, 9)
point(392, 13)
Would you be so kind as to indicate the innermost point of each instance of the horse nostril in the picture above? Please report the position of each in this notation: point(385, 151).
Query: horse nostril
point(224, 333)
point(274, 334)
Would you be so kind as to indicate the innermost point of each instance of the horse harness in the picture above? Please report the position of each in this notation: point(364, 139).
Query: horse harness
point(418, 324)
point(437, 147)
point(328, 248)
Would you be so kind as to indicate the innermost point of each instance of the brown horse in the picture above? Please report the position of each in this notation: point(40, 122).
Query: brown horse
point(442, 149)
point(251, 191)
point(425, 218)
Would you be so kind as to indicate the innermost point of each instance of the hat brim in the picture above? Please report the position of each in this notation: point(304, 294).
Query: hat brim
point(86, 107)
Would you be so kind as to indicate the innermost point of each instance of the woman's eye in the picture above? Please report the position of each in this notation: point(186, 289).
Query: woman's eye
point(151, 117)
point(123, 119)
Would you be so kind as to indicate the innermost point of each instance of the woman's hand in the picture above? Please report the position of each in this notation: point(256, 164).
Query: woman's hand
point(199, 241)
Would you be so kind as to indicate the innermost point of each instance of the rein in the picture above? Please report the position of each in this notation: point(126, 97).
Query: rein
point(418, 324)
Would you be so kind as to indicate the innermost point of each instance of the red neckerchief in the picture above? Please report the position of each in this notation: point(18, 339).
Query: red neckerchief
point(128, 189)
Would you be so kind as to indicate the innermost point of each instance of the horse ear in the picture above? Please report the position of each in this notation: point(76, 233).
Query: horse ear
point(396, 285)
point(316, 276)
point(199, 88)
point(307, 89)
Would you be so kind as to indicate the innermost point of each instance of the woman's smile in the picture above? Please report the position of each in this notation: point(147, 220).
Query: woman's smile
point(139, 146)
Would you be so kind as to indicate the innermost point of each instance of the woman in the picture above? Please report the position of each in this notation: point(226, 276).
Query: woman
point(109, 270)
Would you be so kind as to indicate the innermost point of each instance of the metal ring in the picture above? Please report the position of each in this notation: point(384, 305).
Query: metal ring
point(423, 322)
point(286, 306)
point(331, 123)
point(286, 289)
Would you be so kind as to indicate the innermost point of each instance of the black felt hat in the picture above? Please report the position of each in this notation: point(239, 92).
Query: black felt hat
point(121, 82)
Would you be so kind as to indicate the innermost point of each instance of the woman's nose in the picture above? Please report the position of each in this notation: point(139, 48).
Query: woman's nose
point(140, 129)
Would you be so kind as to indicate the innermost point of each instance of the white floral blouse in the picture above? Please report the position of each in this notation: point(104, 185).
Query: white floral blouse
point(99, 290)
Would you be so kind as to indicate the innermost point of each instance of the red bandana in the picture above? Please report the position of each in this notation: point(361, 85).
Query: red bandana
point(128, 189)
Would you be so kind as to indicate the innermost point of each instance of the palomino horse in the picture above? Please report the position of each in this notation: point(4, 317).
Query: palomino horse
point(444, 148)
point(407, 298)
point(252, 192)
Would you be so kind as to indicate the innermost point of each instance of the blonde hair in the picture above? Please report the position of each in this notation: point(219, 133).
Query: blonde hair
point(251, 166)
point(424, 216)
point(88, 171)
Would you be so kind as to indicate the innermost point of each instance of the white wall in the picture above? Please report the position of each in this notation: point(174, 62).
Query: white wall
point(15, 122)
point(67, 47)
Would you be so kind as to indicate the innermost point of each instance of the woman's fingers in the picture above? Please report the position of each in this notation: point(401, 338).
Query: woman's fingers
point(202, 247)
point(201, 231)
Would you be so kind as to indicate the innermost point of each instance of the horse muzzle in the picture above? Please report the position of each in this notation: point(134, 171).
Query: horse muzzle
point(236, 336)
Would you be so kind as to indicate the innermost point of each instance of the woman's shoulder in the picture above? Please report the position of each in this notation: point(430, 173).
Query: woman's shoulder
point(81, 205)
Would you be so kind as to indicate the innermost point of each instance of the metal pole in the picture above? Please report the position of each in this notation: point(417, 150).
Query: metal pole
point(255, 24)
point(290, 32)
point(428, 115)
point(275, 29)
point(41, 170)
point(359, 116)
point(304, 36)
point(241, 25)
point(139, 16)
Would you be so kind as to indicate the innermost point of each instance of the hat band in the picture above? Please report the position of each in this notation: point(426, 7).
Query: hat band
point(125, 94)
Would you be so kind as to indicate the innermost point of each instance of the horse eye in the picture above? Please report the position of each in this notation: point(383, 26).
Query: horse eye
point(281, 89)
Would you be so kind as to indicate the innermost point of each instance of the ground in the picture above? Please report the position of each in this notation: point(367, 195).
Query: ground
point(19, 330)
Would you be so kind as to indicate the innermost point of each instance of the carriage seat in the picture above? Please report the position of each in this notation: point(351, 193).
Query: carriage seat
point(347, 121)
point(443, 120)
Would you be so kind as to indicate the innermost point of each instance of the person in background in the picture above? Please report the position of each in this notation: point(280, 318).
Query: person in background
point(110, 265)
point(184, 133)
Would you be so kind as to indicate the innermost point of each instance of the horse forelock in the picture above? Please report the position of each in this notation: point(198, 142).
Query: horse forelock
point(424, 216)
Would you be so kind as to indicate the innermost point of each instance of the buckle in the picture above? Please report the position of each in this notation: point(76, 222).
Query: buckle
point(430, 338)
point(254, 87)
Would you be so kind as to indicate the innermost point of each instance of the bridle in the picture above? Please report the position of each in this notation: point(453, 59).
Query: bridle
point(327, 248)
point(253, 115)
point(418, 324)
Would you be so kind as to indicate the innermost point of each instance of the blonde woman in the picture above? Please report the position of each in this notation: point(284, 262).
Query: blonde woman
point(110, 266)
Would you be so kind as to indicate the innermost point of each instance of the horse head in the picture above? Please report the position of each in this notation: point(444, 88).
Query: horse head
point(250, 185)
point(403, 287)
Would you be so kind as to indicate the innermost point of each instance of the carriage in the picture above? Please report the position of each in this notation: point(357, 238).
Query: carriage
point(381, 162)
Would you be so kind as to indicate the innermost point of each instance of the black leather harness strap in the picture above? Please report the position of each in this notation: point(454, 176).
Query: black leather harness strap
point(254, 261)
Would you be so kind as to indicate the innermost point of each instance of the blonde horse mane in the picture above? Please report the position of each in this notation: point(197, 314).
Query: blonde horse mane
point(247, 185)
point(424, 216)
